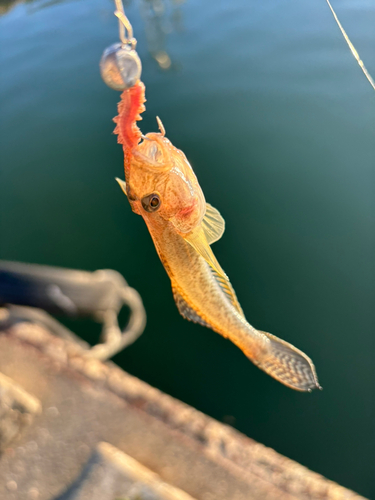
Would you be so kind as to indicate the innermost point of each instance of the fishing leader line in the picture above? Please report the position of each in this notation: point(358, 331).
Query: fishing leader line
point(352, 48)
point(121, 67)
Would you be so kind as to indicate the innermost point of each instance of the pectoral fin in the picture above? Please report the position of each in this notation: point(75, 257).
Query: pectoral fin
point(213, 224)
point(198, 240)
point(122, 185)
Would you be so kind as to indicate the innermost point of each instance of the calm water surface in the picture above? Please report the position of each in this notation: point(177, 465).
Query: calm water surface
point(278, 121)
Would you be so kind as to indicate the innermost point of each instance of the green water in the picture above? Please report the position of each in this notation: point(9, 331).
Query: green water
point(278, 122)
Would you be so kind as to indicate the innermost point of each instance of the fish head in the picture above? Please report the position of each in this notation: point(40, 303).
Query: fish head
point(161, 185)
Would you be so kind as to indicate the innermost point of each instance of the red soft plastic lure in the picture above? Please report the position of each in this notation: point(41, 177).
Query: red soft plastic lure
point(129, 112)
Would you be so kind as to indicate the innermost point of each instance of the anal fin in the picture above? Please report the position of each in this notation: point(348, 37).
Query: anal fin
point(187, 311)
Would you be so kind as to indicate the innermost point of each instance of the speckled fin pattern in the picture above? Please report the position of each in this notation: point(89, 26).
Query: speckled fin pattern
point(186, 311)
point(227, 288)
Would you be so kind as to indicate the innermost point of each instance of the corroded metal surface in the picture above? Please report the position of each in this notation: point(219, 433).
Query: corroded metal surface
point(85, 402)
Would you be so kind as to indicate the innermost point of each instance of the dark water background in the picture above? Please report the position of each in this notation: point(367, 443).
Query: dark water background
point(278, 122)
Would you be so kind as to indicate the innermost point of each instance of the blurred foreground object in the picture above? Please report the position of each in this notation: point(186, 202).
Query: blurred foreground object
point(75, 428)
point(100, 295)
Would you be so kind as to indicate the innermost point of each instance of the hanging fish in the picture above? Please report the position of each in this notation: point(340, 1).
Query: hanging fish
point(161, 187)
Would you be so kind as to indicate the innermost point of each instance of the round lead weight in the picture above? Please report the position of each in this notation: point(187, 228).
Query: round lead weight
point(120, 66)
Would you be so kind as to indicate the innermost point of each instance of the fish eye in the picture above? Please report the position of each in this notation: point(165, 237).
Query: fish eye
point(151, 203)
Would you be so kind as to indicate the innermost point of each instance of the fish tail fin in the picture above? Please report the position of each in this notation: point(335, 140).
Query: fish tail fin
point(288, 365)
point(129, 110)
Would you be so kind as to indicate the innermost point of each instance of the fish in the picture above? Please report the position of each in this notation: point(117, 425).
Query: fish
point(162, 187)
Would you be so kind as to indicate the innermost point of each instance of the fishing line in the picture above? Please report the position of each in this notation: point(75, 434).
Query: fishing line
point(124, 25)
point(352, 48)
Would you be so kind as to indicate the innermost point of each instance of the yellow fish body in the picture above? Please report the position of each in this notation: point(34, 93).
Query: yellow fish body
point(162, 187)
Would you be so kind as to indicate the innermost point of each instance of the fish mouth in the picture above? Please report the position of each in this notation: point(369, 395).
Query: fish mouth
point(153, 153)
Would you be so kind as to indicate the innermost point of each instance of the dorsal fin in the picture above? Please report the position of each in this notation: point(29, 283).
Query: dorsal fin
point(129, 112)
point(186, 311)
point(213, 224)
point(228, 290)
